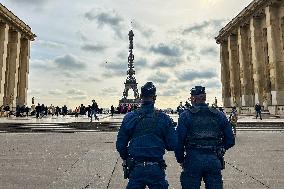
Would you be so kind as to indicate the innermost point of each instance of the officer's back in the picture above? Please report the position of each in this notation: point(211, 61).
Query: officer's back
point(143, 137)
point(203, 133)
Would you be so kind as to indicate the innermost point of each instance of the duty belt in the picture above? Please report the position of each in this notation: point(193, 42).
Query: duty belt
point(145, 163)
point(204, 148)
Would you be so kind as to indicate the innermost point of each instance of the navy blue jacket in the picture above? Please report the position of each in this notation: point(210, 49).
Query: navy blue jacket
point(148, 147)
point(184, 124)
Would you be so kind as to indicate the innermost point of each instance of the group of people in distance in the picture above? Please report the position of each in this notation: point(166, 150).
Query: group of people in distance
point(199, 141)
point(91, 110)
point(233, 118)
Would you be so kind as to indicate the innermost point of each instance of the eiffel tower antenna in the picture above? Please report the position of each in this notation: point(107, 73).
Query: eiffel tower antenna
point(131, 24)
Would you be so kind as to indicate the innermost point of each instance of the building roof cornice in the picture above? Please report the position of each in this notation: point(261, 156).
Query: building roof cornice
point(242, 17)
point(7, 16)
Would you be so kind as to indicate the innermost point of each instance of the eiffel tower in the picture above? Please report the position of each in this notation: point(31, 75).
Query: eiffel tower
point(130, 82)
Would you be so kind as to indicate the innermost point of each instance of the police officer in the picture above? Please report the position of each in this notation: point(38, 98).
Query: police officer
point(203, 133)
point(143, 137)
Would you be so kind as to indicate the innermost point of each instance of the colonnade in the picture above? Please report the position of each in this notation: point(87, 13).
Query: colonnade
point(252, 60)
point(14, 66)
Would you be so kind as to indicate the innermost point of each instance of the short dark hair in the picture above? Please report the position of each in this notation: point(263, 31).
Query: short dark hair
point(197, 90)
point(148, 90)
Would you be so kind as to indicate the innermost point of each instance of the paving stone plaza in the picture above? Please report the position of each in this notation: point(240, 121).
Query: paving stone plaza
point(86, 158)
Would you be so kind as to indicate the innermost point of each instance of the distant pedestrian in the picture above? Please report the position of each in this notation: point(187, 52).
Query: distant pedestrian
point(42, 111)
point(82, 110)
point(112, 110)
point(27, 109)
point(180, 108)
point(94, 109)
point(121, 108)
point(7, 111)
point(46, 111)
point(52, 109)
point(64, 110)
point(129, 108)
point(257, 108)
point(33, 100)
point(77, 111)
point(88, 110)
point(215, 102)
point(17, 111)
point(38, 110)
point(57, 111)
point(234, 119)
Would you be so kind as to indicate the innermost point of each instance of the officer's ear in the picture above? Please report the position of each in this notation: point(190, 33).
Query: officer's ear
point(204, 97)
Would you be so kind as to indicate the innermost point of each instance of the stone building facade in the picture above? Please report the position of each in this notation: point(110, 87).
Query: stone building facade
point(252, 57)
point(15, 37)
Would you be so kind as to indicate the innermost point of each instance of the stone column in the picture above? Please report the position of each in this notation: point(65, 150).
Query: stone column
point(257, 58)
point(234, 70)
point(225, 74)
point(4, 30)
point(23, 72)
point(275, 53)
point(12, 68)
point(266, 68)
point(246, 72)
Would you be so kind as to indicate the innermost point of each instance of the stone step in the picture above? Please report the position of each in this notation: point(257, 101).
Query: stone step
point(114, 126)
point(260, 126)
point(43, 126)
point(259, 129)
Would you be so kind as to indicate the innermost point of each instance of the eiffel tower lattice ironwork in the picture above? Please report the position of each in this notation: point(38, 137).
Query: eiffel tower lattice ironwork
point(130, 82)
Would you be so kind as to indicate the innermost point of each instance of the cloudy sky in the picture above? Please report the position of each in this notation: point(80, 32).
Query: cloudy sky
point(174, 47)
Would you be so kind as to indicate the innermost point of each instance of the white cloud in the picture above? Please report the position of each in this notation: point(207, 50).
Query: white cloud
point(34, 92)
point(49, 44)
point(75, 92)
point(55, 92)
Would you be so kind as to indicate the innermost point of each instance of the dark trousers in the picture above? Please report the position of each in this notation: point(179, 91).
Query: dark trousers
point(198, 166)
point(93, 112)
point(152, 176)
point(258, 113)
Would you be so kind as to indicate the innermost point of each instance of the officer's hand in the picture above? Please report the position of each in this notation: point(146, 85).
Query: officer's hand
point(181, 164)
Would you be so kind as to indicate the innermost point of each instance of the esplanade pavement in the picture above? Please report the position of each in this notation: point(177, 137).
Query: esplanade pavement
point(87, 159)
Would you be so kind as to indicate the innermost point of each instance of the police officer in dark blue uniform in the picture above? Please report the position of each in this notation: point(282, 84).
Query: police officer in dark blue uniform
point(143, 137)
point(204, 134)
